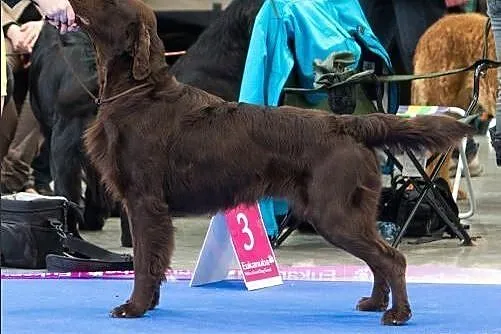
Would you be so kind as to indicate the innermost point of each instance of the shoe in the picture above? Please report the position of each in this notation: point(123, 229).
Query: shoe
point(44, 189)
point(476, 169)
point(496, 144)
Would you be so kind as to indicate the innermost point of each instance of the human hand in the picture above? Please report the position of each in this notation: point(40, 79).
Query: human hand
point(16, 37)
point(59, 13)
point(452, 3)
point(31, 31)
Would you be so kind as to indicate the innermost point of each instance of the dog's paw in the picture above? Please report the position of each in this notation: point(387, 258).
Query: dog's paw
point(397, 317)
point(367, 304)
point(127, 310)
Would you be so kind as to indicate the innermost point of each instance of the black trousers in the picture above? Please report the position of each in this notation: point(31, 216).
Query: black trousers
point(399, 24)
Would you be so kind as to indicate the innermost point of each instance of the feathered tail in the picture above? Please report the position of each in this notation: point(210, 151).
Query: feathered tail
point(435, 133)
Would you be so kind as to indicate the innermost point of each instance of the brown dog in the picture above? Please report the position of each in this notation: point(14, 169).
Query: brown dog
point(453, 42)
point(164, 147)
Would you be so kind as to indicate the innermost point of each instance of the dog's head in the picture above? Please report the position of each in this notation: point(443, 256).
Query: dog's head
point(122, 27)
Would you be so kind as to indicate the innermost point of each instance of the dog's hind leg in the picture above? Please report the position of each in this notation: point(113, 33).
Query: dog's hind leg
point(342, 206)
point(379, 298)
point(153, 242)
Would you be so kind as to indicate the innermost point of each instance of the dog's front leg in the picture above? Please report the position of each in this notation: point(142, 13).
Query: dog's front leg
point(153, 242)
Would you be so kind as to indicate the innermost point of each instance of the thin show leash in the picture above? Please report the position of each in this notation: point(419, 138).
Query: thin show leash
point(99, 100)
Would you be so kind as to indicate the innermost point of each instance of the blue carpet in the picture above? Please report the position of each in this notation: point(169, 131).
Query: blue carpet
point(81, 306)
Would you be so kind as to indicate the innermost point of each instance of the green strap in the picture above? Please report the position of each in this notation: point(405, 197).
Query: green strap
point(409, 77)
point(370, 77)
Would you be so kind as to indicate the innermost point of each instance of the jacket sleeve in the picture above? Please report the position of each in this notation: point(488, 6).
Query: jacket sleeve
point(7, 15)
point(269, 59)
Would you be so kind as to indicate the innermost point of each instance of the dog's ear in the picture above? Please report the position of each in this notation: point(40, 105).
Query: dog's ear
point(141, 67)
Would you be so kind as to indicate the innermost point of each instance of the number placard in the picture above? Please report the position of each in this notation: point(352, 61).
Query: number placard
point(237, 234)
point(252, 246)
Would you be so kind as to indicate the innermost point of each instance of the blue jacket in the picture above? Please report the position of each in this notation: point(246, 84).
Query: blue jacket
point(318, 28)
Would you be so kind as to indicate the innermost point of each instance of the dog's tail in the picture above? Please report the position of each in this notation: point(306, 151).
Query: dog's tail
point(434, 133)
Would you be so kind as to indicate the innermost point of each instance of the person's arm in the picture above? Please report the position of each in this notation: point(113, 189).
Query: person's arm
point(59, 13)
point(11, 29)
point(8, 17)
point(22, 37)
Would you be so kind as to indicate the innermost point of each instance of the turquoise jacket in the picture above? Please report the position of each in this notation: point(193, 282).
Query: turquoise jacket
point(317, 28)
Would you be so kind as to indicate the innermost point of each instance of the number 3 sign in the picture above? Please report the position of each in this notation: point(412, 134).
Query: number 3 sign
point(243, 229)
point(242, 218)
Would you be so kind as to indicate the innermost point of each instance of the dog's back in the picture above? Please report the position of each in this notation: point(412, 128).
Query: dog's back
point(215, 63)
point(453, 42)
point(55, 90)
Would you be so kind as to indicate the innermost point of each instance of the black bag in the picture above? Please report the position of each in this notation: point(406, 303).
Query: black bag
point(426, 222)
point(34, 236)
point(30, 230)
point(397, 203)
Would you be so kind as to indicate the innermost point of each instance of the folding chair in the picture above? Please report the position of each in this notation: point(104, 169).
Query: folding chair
point(413, 171)
point(427, 192)
point(441, 208)
point(462, 168)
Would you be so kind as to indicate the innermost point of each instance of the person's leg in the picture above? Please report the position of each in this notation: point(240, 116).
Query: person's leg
point(381, 17)
point(41, 170)
point(8, 119)
point(494, 12)
point(413, 18)
point(3, 69)
point(15, 166)
point(8, 125)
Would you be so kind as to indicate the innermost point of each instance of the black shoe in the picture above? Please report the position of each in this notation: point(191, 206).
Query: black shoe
point(496, 144)
point(44, 189)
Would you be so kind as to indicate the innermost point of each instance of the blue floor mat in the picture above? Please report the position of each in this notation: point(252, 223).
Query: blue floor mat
point(81, 306)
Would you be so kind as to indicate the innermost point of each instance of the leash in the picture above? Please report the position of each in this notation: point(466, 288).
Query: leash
point(166, 54)
point(98, 100)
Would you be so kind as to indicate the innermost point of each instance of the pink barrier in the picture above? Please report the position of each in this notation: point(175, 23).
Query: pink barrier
point(417, 274)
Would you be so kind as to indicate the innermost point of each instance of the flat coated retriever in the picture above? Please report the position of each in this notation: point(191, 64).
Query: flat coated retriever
point(163, 147)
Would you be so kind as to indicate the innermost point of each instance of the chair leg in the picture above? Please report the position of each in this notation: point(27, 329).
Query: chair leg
point(288, 225)
point(463, 166)
point(456, 226)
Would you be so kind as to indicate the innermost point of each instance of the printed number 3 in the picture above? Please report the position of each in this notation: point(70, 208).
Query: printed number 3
point(242, 218)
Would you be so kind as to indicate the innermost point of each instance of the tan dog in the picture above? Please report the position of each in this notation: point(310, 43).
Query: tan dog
point(453, 42)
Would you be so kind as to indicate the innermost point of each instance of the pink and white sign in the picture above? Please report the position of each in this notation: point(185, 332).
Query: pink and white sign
point(252, 247)
point(237, 234)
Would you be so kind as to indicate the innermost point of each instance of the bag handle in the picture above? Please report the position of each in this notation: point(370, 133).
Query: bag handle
point(81, 255)
point(91, 251)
